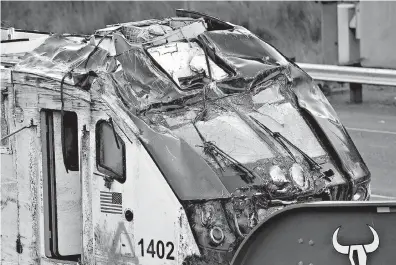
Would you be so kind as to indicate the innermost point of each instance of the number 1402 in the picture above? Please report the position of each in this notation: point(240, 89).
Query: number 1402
point(159, 249)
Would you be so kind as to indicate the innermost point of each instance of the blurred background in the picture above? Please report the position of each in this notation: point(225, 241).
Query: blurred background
point(293, 27)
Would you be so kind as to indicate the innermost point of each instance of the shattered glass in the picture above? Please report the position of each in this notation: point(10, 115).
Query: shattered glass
point(245, 52)
point(185, 60)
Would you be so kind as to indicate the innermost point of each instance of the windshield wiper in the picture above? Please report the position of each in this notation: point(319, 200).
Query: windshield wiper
point(281, 139)
point(214, 151)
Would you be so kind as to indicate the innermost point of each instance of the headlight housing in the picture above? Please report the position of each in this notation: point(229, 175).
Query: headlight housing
point(215, 238)
point(216, 235)
point(209, 222)
point(362, 192)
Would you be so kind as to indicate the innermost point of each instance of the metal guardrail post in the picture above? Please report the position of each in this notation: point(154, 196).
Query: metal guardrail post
point(356, 90)
point(355, 93)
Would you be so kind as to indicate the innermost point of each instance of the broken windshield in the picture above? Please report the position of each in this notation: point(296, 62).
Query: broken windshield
point(185, 62)
point(243, 44)
point(280, 138)
point(245, 52)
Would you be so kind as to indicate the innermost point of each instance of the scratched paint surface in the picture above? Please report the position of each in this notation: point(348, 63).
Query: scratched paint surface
point(8, 209)
point(23, 186)
point(117, 239)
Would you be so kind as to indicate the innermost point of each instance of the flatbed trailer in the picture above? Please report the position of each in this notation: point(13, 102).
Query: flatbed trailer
point(355, 233)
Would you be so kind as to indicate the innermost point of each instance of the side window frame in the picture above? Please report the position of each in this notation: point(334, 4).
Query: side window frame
point(70, 126)
point(5, 145)
point(103, 168)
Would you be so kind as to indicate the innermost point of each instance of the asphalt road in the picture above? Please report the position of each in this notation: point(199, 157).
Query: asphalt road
point(373, 130)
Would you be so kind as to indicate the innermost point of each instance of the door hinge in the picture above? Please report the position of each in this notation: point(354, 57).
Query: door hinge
point(19, 247)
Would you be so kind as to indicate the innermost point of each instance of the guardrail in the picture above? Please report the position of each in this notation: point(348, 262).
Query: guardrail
point(353, 75)
point(350, 74)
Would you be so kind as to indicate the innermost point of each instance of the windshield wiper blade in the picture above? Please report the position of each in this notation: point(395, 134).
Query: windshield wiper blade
point(276, 136)
point(311, 162)
point(214, 151)
point(206, 149)
point(280, 138)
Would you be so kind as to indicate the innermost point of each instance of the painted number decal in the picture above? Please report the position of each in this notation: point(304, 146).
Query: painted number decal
point(160, 249)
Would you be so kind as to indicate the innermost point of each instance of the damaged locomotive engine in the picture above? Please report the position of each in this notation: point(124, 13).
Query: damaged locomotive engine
point(236, 129)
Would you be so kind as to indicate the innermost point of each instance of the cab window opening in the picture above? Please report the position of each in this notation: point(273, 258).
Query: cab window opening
point(71, 141)
point(110, 151)
point(4, 119)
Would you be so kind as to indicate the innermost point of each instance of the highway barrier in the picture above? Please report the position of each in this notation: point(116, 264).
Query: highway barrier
point(356, 76)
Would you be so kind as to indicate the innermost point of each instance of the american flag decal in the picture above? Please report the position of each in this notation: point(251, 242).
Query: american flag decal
point(110, 202)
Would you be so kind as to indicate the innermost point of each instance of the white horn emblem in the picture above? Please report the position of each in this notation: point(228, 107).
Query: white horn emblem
point(357, 253)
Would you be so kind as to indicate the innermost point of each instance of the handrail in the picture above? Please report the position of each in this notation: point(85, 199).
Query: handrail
point(350, 74)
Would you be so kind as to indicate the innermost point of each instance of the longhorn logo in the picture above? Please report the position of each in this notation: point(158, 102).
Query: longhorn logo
point(357, 253)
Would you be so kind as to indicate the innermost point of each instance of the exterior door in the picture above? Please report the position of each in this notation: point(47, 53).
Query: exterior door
point(62, 186)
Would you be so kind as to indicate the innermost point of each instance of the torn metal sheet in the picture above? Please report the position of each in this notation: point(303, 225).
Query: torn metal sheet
point(22, 47)
point(59, 55)
point(311, 98)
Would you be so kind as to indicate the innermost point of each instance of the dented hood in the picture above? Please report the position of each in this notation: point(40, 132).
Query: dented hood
point(169, 135)
point(280, 95)
point(178, 149)
point(178, 146)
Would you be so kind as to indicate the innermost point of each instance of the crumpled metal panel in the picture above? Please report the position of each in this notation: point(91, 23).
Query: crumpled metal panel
point(233, 47)
point(172, 140)
point(143, 34)
point(185, 170)
point(149, 83)
point(239, 138)
point(60, 54)
point(245, 52)
point(311, 98)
